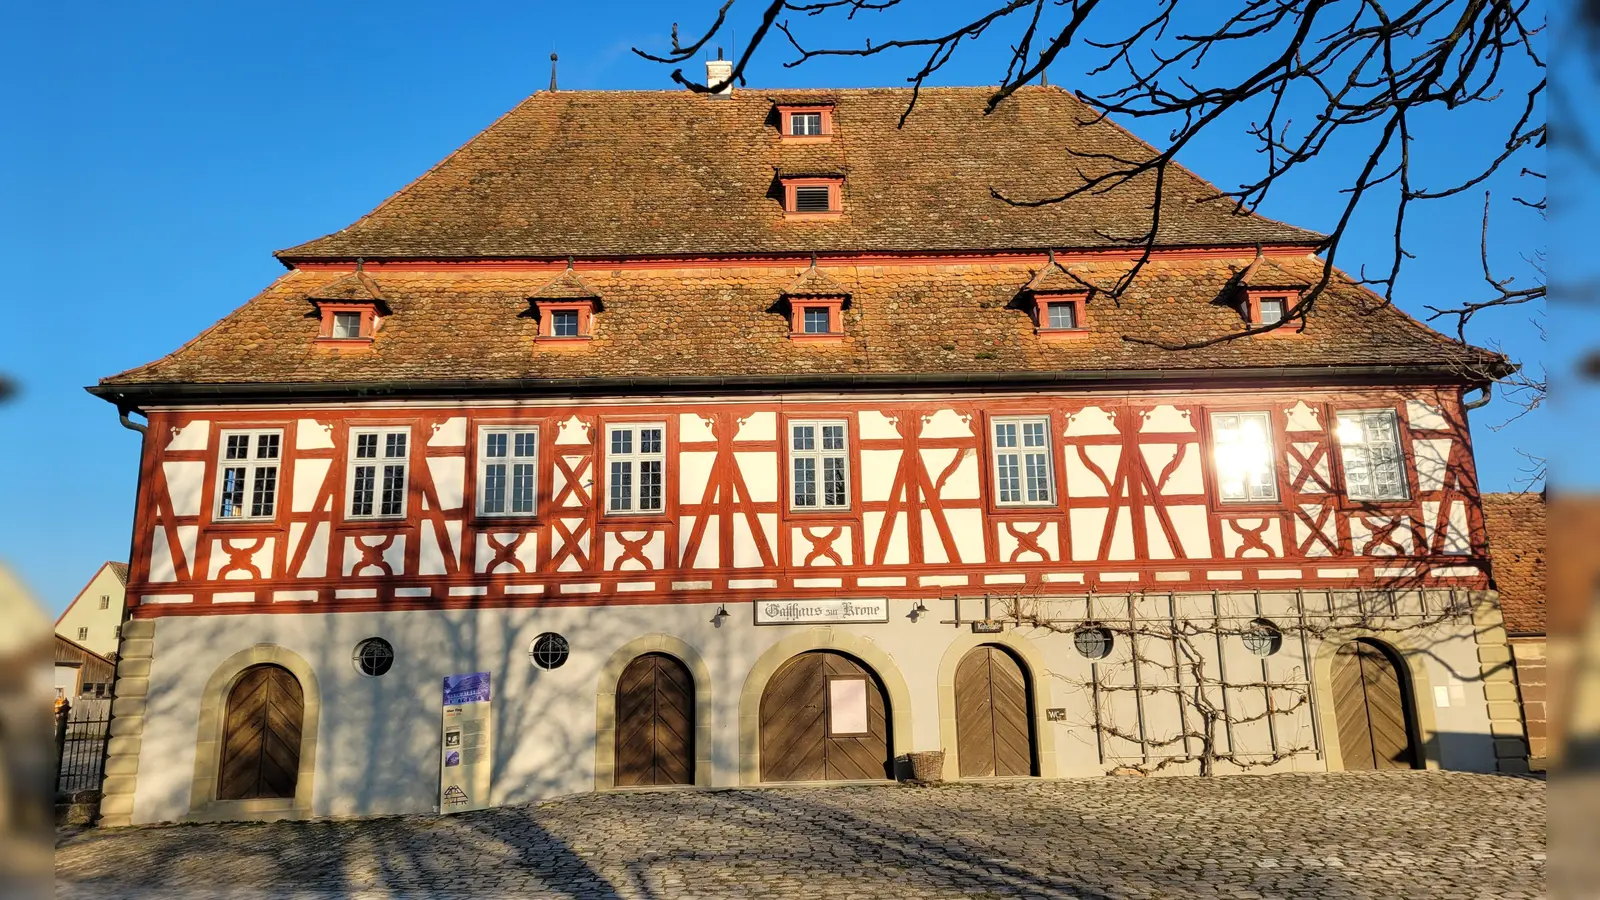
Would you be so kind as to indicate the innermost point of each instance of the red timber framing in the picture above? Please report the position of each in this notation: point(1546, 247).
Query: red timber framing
point(1135, 505)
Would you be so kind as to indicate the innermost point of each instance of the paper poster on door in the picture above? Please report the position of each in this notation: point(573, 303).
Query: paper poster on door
point(465, 764)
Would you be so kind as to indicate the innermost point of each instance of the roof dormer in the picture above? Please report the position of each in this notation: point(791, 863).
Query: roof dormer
point(816, 307)
point(812, 192)
point(805, 122)
point(351, 310)
point(1058, 299)
point(566, 308)
point(1265, 293)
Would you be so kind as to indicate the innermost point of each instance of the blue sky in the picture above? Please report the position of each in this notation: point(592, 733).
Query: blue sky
point(158, 152)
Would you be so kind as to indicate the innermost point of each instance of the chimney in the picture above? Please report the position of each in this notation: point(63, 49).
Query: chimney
point(717, 71)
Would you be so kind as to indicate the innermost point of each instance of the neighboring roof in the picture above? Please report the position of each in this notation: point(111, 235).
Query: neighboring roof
point(70, 651)
point(119, 569)
point(959, 323)
point(626, 173)
point(1516, 527)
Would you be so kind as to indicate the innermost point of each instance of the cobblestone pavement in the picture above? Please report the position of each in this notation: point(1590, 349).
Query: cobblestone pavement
point(1412, 834)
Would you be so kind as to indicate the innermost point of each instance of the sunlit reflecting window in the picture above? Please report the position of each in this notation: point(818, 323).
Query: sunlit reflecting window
point(1243, 443)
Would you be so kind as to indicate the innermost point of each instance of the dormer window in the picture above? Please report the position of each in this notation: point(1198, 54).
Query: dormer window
point(564, 323)
point(817, 320)
point(350, 311)
point(1266, 293)
point(346, 326)
point(566, 308)
point(1060, 315)
point(815, 197)
point(805, 122)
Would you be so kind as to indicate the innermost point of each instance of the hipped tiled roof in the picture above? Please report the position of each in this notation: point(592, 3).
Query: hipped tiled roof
point(1264, 274)
point(1055, 279)
point(1516, 526)
point(569, 285)
point(620, 173)
point(455, 324)
point(813, 282)
point(357, 287)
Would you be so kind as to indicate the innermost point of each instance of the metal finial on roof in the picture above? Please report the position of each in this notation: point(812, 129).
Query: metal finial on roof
point(1044, 77)
point(813, 259)
point(1052, 252)
point(569, 262)
point(361, 263)
point(552, 71)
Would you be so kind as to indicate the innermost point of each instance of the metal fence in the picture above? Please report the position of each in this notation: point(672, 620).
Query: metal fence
point(81, 739)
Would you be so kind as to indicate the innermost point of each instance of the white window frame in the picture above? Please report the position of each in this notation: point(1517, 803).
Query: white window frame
point(577, 323)
point(996, 452)
point(794, 124)
point(817, 455)
point(1253, 492)
point(1262, 309)
point(379, 464)
point(510, 461)
point(632, 459)
point(1365, 445)
point(1072, 313)
point(348, 313)
point(251, 464)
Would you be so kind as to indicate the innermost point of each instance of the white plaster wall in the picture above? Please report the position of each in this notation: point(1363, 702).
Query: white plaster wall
point(378, 742)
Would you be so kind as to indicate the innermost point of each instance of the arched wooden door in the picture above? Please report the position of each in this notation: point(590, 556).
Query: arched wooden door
point(994, 715)
point(261, 736)
point(655, 722)
point(1372, 708)
point(824, 717)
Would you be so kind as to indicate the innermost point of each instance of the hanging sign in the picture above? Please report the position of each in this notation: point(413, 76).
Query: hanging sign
point(464, 761)
point(820, 612)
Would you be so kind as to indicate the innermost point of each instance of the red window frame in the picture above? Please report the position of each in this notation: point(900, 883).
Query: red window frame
point(1252, 307)
point(797, 320)
point(1079, 301)
point(369, 323)
point(786, 112)
point(547, 310)
point(835, 197)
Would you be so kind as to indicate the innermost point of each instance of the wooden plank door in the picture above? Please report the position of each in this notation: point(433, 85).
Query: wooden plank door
point(801, 736)
point(261, 736)
point(994, 734)
point(655, 722)
point(1372, 709)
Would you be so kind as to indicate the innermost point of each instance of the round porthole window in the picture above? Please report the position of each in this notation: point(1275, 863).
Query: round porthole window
point(1262, 638)
point(374, 656)
point(548, 650)
point(1093, 641)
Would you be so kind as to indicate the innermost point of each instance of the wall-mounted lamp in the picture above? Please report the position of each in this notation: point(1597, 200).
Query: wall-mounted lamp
point(721, 614)
point(918, 611)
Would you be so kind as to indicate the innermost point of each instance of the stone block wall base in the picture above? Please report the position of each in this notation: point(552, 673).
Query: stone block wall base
point(115, 807)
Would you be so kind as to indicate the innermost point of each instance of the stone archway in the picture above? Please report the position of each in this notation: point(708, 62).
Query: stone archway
point(204, 804)
point(820, 638)
point(605, 743)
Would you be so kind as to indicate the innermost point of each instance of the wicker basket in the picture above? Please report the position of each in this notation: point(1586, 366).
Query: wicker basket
point(925, 766)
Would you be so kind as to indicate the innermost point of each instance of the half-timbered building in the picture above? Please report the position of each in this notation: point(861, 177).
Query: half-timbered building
point(753, 438)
